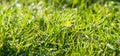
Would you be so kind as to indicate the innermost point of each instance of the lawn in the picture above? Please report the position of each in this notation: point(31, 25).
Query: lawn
point(59, 28)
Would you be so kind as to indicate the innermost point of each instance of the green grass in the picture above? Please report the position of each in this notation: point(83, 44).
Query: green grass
point(53, 28)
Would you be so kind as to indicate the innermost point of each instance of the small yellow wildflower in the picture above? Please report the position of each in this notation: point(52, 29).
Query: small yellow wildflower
point(68, 24)
point(1, 46)
point(107, 11)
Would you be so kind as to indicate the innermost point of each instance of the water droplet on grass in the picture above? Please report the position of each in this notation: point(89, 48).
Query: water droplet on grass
point(118, 42)
point(18, 5)
point(110, 46)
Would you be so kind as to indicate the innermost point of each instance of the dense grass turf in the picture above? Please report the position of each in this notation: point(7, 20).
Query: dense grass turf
point(42, 28)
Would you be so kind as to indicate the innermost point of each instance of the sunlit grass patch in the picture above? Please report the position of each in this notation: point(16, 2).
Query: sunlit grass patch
point(33, 28)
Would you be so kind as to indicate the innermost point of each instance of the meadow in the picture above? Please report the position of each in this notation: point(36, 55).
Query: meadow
point(59, 28)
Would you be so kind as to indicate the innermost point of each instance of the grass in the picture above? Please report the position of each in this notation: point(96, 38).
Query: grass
point(40, 28)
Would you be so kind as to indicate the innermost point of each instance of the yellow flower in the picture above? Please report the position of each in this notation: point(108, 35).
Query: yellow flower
point(68, 24)
point(106, 11)
point(1, 46)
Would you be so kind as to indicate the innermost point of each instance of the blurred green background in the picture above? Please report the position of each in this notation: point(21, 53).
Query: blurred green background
point(61, 3)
